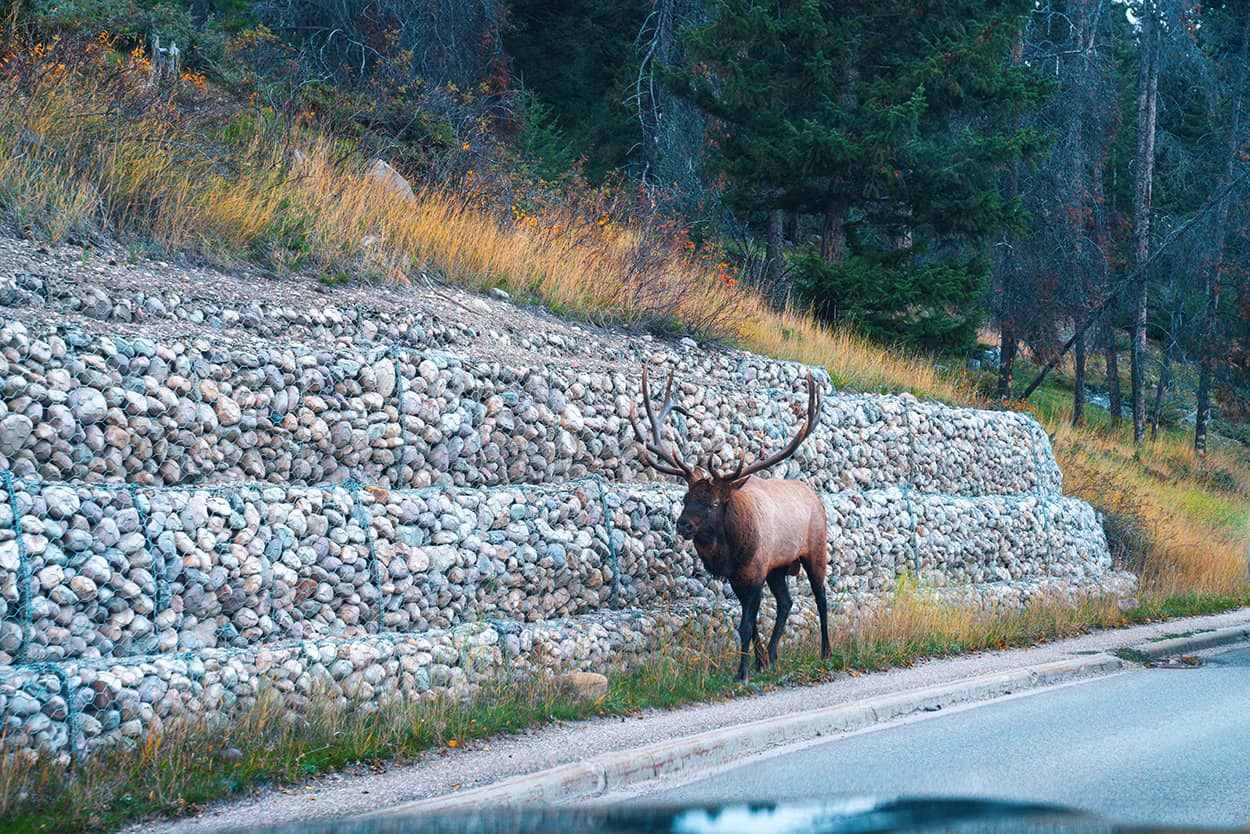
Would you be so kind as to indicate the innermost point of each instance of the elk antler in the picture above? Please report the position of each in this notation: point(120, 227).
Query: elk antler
point(814, 403)
point(665, 459)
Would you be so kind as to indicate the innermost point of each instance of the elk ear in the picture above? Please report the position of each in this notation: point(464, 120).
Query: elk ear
point(699, 475)
point(740, 483)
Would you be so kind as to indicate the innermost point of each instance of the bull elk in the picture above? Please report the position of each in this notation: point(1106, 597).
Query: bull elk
point(745, 529)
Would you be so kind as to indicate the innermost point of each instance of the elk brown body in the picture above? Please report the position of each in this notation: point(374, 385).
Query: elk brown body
point(748, 530)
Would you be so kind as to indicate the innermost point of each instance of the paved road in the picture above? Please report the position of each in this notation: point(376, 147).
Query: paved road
point(1150, 745)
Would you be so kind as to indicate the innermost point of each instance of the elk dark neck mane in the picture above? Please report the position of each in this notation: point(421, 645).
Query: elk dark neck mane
point(729, 546)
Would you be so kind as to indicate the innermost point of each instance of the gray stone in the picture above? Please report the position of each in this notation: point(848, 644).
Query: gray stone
point(88, 405)
point(62, 502)
point(83, 588)
point(228, 411)
point(23, 705)
point(15, 429)
point(586, 686)
point(382, 173)
point(385, 374)
point(10, 557)
point(50, 577)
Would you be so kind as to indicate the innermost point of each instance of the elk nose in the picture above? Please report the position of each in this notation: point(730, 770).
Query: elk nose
point(683, 527)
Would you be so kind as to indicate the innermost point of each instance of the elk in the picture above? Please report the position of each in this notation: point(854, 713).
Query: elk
point(748, 530)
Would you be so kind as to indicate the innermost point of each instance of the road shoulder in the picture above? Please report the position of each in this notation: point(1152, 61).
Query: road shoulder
point(589, 757)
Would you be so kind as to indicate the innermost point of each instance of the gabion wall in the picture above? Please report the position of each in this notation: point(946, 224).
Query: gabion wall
point(96, 579)
point(383, 506)
point(82, 406)
point(89, 571)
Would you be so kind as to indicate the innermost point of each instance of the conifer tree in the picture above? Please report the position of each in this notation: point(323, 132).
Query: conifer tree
point(891, 122)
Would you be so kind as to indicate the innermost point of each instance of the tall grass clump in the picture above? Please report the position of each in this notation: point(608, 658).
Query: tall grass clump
point(1182, 521)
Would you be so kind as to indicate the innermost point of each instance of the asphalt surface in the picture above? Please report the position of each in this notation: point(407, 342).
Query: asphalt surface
point(1162, 746)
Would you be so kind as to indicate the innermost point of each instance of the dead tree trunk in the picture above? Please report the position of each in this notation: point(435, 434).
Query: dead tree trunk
point(1213, 278)
point(1008, 342)
point(1205, 360)
point(1106, 330)
point(774, 263)
point(1078, 381)
point(1112, 358)
point(1165, 379)
point(1143, 183)
point(1006, 359)
point(1077, 201)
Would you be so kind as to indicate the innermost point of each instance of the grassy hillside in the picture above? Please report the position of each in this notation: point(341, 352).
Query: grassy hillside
point(89, 146)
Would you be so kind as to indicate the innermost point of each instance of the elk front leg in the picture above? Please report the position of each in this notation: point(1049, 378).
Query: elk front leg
point(777, 582)
point(750, 598)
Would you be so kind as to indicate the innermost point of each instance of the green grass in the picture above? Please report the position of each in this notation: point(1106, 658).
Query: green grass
point(1134, 656)
point(1185, 605)
point(1176, 635)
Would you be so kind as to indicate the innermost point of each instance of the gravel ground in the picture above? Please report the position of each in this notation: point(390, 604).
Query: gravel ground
point(482, 762)
point(493, 328)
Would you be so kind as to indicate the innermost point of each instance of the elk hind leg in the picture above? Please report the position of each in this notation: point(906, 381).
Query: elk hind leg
point(777, 584)
point(816, 576)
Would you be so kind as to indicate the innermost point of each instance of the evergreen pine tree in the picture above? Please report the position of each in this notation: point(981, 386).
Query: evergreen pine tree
point(578, 60)
point(892, 122)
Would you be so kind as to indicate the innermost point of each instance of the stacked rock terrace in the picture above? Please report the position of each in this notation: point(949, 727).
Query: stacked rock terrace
point(82, 404)
point(187, 515)
point(97, 572)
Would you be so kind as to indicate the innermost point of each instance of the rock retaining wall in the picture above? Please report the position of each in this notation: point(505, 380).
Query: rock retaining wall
point(94, 571)
point(139, 583)
point(78, 406)
point(68, 709)
point(394, 503)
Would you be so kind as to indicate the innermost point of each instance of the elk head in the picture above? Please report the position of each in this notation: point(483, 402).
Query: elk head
point(707, 490)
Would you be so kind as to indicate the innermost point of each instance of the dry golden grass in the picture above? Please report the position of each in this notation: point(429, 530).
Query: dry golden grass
point(1191, 512)
point(84, 148)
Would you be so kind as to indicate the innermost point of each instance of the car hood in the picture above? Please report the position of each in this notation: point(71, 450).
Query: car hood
point(851, 816)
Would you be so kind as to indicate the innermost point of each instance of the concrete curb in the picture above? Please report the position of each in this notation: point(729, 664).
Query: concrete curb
point(1195, 642)
point(602, 774)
